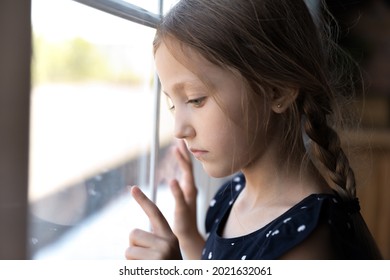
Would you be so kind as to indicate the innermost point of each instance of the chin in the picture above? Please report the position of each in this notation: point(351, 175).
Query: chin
point(217, 171)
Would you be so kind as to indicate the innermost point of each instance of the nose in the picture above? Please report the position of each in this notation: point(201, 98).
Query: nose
point(183, 128)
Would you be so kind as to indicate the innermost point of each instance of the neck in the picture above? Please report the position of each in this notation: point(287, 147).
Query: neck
point(287, 182)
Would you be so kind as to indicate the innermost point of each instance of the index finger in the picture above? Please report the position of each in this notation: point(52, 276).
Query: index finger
point(158, 222)
point(182, 147)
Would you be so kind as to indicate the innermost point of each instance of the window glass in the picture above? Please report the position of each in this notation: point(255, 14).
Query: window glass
point(91, 125)
point(153, 5)
point(168, 4)
point(150, 5)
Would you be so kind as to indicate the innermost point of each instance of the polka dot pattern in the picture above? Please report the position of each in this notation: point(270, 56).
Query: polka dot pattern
point(271, 241)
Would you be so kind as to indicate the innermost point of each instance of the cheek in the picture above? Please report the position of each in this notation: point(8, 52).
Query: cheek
point(229, 148)
point(230, 139)
point(226, 129)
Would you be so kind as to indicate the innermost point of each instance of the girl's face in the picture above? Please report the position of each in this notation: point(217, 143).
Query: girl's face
point(209, 118)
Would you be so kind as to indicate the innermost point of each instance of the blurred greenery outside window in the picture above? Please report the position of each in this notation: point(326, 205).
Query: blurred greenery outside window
point(90, 129)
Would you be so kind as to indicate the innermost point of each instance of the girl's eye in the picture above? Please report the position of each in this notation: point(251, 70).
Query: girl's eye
point(197, 102)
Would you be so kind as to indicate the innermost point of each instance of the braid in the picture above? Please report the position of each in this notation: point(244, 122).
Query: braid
point(326, 146)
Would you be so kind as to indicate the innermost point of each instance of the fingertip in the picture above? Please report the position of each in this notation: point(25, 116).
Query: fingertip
point(182, 144)
point(176, 151)
point(174, 184)
point(180, 156)
point(176, 190)
point(135, 190)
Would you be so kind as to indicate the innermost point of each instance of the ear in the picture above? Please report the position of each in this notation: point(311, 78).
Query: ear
point(283, 98)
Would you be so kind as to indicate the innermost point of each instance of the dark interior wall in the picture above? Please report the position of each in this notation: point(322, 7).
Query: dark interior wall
point(15, 51)
point(365, 33)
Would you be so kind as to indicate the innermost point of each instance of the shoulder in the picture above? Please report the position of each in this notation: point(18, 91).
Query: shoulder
point(317, 246)
point(338, 232)
point(318, 227)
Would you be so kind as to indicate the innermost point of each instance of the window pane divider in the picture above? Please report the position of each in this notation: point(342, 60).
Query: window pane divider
point(124, 10)
point(154, 154)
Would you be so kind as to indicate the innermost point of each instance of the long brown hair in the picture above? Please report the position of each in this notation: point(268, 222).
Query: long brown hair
point(274, 45)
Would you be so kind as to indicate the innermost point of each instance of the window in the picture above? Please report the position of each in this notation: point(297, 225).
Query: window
point(93, 125)
point(91, 129)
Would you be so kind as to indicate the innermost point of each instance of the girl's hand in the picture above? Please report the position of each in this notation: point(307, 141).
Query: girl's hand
point(161, 243)
point(185, 194)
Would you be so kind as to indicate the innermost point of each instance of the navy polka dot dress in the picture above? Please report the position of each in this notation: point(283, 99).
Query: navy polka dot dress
point(283, 233)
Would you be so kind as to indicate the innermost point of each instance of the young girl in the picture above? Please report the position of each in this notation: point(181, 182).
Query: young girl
point(253, 92)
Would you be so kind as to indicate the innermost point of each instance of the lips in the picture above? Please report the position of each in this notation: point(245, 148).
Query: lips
point(198, 153)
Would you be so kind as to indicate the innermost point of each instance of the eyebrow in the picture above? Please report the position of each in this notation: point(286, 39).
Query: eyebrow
point(179, 87)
